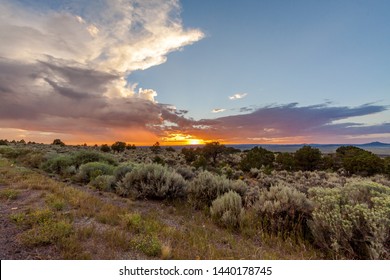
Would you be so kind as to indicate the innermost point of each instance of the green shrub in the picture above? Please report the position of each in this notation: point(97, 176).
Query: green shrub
point(283, 209)
point(57, 164)
point(150, 245)
point(46, 233)
point(91, 170)
point(132, 221)
point(12, 153)
point(82, 157)
point(34, 159)
point(9, 194)
point(104, 183)
point(153, 181)
point(353, 221)
point(206, 187)
point(227, 210)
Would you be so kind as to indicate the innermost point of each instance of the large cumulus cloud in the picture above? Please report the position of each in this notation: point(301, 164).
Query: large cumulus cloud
point(65, 70)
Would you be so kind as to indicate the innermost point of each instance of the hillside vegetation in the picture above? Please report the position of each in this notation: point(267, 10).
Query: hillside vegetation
point(213, 202)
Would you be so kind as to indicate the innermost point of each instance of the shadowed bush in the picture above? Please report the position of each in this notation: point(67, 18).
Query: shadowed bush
point(152, 181)
point(283, 210)
point(121, 170)
point(227, 210)
point(186, 172)
point(206, 187)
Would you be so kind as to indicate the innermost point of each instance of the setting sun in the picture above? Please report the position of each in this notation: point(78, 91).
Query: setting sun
point(195, 141)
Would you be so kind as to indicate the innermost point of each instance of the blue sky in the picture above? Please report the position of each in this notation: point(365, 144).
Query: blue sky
point(191, 71)
point(308, 52)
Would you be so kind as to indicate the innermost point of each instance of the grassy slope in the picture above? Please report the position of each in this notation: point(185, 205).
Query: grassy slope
point(44, 218)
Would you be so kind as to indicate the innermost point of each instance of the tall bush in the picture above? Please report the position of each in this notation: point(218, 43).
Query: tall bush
point(227, 210)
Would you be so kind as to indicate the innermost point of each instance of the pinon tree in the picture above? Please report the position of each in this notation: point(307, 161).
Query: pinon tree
point(212, 150)
point(118, 146)
point(257, 158)
point(307, 158)
point(58, 142)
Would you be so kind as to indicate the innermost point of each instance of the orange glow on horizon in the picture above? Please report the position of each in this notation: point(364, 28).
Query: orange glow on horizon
point(179, 139)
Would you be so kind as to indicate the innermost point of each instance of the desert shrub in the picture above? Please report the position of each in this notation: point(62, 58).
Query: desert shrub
point(3, 142)
point(186, 172)
point(104, 183)
point(150, 245)
point(200, 162)
point(153, 181)
point(227, 210)
point(132, 221)
point(283, 210)
point(57, 164)
point(121, 170)
point(9, 194)
point(12, 153)
point(206, 187)
point(91, 170)
point(157, 159)
point(82, 157)
point(353, 221)
point(254, 172)
point(46, 233)
point(34, 159)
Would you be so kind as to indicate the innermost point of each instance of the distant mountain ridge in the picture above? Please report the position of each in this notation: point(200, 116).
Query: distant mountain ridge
point(374, 147)
point(376, 143)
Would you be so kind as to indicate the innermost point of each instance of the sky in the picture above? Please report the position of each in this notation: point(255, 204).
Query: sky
point(188, 72)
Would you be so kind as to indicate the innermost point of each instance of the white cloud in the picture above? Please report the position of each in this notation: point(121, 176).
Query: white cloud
point(238, 96)
point(111, 36)
point(218, 110)
point(147, 94)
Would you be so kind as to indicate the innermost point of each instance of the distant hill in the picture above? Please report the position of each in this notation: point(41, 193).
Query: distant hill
point(372, 144)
